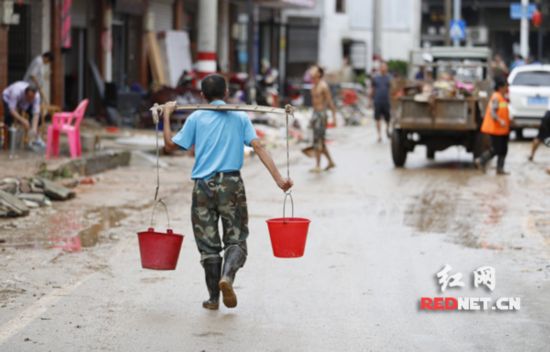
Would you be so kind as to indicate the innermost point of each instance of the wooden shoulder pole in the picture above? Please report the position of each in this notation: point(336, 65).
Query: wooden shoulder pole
point(156, 109)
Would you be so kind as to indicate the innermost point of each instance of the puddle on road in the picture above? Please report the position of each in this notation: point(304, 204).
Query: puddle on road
point(432, 211)
point(70, 230)
point(464, 217)
point(108, 218)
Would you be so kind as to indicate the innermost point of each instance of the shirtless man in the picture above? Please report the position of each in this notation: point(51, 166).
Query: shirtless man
point(321, 99)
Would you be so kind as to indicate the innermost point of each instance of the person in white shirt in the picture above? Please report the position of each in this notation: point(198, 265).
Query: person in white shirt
point(20, 97)
point(36, 70)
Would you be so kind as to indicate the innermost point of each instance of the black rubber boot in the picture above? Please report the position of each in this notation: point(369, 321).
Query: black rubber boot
point(481, 162)
point(500, 166)
point(212, 270)
point(234, 259)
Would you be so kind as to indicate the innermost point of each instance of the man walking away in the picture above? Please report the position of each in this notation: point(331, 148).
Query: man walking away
point(543, 135)
point(496, 124)
point(321, 99)
point(219, 138)
point(380, 94)
point(22, 97)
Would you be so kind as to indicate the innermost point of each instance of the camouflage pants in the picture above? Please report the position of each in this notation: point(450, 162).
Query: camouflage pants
point(220, 196)
point(319, 125)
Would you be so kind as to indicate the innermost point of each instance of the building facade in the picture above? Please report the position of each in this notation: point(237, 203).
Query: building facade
point(106, 41)
point(344, 28)
point(488, 24)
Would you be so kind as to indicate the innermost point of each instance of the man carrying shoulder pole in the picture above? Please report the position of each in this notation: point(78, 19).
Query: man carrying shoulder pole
point(219, 138)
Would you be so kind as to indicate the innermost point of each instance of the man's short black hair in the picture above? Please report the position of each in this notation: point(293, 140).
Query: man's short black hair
point(48, 55)
point(500, 82)
point(213, 87)
point(31, 88)
point(321, 71)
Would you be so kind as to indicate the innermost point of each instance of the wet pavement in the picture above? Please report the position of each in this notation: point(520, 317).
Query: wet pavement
point(378, 237)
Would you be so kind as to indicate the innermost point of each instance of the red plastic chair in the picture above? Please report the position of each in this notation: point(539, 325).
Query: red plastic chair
point(68, 123)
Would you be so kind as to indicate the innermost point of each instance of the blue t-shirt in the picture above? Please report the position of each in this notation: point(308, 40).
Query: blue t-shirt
point(382, 88)
point(219, 138)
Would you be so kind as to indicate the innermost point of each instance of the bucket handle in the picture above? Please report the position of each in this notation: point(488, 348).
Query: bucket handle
point(161, 202)
point(288, 195)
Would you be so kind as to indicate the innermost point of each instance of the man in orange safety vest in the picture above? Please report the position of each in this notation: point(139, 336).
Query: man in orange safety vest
point(497, 125)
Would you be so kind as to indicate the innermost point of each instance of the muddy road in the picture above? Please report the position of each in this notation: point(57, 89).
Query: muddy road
point(378, 237)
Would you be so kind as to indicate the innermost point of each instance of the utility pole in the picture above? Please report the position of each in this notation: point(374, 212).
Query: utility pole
point(448, 15)
point(251, 84)
point(376, 28)
point(207, 35)
point(57, 72)
point(524, 30)
point(457, 9)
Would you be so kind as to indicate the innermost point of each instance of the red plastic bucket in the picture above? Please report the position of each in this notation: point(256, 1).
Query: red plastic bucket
point(159, 250)
point(288, 236)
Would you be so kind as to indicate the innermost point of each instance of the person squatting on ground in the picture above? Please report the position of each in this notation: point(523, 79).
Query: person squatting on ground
point(542, 136)
point(380, 94)
point(219, 138)
point(321, 98)
point(18, 98)
point(496, 124)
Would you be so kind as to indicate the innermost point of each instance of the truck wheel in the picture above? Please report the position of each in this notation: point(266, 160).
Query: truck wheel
point(430, 154)
point(398, 150)
point(519, 134)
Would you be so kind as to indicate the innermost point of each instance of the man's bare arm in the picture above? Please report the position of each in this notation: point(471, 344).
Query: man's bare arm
point(169, 146)
point(494, 112)
point(20, 118)
point(284, 184)
point(35, 121)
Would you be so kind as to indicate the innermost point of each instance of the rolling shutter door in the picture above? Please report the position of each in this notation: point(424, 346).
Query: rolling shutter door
point(162, 10)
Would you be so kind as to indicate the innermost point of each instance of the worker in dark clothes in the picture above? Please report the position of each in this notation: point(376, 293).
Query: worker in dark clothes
point(543, 136)
point(380, 94)
point(496, 124)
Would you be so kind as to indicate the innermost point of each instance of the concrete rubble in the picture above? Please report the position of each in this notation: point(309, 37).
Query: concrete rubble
point(19, 195)
point(11, 206)
point(89, 165)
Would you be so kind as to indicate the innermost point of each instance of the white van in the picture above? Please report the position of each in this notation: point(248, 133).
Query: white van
point(529, 94)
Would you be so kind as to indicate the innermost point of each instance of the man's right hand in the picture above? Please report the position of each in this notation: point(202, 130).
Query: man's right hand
point(169, 109)
point(285, 184)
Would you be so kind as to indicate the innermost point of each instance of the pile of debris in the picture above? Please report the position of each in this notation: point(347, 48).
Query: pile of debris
point(19, 195)
point(270, 128)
